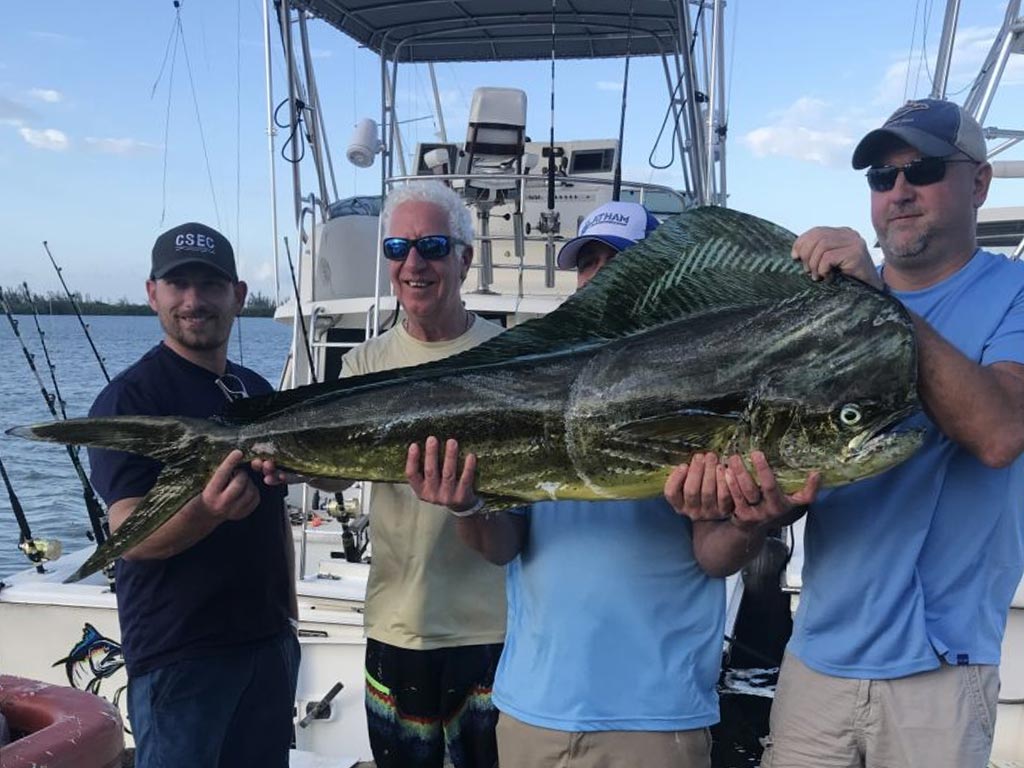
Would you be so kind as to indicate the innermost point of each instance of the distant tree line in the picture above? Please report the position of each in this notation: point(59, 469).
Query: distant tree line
point(54, 303)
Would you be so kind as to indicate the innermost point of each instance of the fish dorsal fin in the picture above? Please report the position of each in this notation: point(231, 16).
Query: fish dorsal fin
point(701, 259)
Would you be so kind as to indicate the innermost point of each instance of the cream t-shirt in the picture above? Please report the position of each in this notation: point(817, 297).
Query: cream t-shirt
point(426, 588)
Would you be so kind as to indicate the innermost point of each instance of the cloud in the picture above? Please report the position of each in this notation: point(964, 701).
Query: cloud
point(264, 271)
point(54, 36)
point(972, 46)
point(126, 146)
point(909, 77)
point(320, 53)
point(48, 95)
point(47, 138)
point(809, 129)
point(13, 113)
point(608, 85)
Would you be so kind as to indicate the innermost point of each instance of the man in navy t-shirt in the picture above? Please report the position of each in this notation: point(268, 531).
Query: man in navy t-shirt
point(205, 602)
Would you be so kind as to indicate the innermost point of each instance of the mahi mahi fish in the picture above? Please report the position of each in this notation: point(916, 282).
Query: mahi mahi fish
point(705, 336)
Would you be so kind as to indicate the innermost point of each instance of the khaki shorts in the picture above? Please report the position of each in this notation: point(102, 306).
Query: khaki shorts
point(938, 719)
point(527, 746)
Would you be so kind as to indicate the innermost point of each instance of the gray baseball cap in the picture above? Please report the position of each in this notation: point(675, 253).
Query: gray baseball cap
point(934, 127)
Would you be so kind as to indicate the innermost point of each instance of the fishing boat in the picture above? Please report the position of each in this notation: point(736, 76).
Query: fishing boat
point(527, 198)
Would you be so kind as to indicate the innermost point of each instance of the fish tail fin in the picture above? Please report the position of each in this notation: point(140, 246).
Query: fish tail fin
point(164, 438)
point(189, 449)
point(176, 485)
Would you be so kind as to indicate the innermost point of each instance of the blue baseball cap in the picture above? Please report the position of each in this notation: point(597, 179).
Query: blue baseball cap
point(933, 127)
point(619, 225)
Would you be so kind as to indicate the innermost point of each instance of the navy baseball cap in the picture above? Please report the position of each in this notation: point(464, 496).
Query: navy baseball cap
point(933, 127)
point(619, 225)
point(193, 243)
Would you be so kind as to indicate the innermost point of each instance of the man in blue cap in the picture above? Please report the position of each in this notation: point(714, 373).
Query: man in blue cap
point(614, 638)
point(908, 576)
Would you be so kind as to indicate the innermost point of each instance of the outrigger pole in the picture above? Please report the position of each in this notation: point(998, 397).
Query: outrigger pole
point(271, 133)
point(78, 313)
point(97, 515)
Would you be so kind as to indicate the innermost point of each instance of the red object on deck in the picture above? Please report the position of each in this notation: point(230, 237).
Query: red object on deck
point(66, 727)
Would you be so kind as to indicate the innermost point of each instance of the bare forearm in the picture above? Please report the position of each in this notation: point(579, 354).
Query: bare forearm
point(186, 529)
point(498, 536)
point(979, 407)
point(722, 548)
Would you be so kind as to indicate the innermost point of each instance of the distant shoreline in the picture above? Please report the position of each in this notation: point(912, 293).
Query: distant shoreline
point(22, 303)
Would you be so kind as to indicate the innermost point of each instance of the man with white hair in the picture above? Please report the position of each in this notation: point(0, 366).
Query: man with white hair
point(435, 611)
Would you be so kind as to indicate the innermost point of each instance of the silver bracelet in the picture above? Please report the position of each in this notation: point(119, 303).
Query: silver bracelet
point(471, 511)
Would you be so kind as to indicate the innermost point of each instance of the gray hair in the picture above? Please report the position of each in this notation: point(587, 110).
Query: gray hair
point(460, 221)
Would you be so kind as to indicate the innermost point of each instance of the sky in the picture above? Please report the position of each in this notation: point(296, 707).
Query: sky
point(112, 129)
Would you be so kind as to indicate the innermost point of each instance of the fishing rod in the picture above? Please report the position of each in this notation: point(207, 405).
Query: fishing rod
point(298, 310)
point(617, 175)
point(36, 550)
point(58, 398)
point(551, 138)
point(97, 515)
point(78, 313)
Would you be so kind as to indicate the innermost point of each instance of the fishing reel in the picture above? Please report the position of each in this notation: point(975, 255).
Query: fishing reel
point(41, 550)
point(341, 508)
point(354, 526)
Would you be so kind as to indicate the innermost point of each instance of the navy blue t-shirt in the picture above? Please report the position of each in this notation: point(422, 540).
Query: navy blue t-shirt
point(232, 588)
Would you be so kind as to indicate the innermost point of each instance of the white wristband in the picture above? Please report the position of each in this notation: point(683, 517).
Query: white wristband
point(471, 511)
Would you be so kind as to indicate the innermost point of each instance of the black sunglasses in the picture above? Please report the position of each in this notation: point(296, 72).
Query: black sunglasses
point(429, 247)
point(920, 173)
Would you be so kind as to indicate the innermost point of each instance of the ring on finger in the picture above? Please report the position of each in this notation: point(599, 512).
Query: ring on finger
point(758, 500)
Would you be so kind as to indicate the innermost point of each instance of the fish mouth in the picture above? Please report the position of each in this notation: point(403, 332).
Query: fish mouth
point(888, 440)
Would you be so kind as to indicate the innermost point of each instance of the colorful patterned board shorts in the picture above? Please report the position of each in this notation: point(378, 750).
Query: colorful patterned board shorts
point(420, 702)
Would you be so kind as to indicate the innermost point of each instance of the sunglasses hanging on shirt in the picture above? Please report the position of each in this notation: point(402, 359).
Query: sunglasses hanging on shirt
point(232, 387)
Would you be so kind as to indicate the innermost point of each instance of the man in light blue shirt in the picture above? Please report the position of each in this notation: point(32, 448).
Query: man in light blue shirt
point(615, 622)
point(908, 576)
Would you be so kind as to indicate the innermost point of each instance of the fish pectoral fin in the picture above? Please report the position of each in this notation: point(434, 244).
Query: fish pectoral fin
point(687, 429)
point(177, 483)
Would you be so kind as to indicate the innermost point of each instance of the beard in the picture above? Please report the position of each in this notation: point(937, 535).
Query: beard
point(211, 334)
point(904, 243)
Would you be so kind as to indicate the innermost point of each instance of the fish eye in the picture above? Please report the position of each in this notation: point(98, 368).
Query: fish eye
point(849, 415)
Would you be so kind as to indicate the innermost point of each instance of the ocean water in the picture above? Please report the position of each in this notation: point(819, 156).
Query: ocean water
point(43, 476)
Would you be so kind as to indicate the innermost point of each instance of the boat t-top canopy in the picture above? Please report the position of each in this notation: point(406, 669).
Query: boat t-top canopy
point(491, 30)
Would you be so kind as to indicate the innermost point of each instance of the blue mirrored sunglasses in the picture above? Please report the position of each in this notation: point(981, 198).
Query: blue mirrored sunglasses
point(429, 247)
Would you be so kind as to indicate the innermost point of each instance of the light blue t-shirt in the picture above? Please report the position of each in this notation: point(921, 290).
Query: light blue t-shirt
point(612, 625)
point(920, 563)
